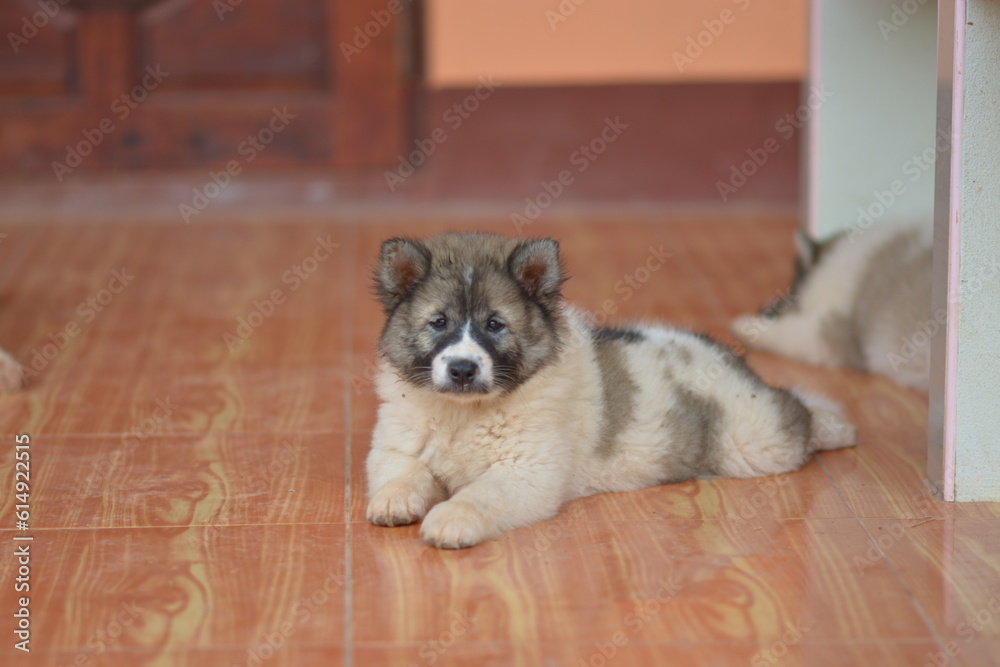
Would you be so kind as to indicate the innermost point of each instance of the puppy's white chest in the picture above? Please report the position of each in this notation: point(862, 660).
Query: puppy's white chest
point(459, 448)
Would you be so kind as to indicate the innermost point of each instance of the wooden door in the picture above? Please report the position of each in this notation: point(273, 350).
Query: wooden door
point(89, 84)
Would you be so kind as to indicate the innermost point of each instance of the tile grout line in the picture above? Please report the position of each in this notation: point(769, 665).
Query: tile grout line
point(258, 524)
point(347, 326)
point(888, 563)
point(840, 492)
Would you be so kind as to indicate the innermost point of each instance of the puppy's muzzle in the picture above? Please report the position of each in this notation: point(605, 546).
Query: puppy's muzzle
point(463, 372)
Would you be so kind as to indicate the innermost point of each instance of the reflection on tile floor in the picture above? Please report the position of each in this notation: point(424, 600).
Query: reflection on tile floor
point(199, 426)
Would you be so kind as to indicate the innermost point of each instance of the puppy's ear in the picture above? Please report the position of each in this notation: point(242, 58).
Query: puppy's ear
point(806, 256)
point(402, 264)
point(806, 250)
point(537, 268)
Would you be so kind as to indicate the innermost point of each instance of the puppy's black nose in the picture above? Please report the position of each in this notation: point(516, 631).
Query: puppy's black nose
point(462, 371)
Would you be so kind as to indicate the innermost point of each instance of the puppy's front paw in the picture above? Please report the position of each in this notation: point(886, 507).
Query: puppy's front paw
point(396, 504)
point(456, 525)
point(10, 372)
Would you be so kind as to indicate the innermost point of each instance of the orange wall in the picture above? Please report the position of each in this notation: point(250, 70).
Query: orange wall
point(524, 42)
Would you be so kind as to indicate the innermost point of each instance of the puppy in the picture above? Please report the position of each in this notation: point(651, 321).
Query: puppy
point(860, 300)
point(499, 403)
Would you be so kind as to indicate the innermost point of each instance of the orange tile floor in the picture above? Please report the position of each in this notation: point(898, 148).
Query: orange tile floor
point(199, 412)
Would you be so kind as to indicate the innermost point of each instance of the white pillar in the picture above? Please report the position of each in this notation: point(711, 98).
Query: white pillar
point(868, 144)
point(964, 433)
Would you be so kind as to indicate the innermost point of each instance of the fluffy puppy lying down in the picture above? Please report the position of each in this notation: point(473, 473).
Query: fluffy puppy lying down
point(499, 403)
point(861, 300)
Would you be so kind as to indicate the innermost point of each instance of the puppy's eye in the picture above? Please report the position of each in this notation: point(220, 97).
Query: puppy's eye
point(495, 326)
point(439, 323)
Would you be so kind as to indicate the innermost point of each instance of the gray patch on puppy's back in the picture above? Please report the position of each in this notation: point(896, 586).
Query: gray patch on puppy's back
point(618, 393)
point(684, 355)
point(680, 364)
point(673, 356)
point(693, 424)
point(732, 360)
point(625, 335)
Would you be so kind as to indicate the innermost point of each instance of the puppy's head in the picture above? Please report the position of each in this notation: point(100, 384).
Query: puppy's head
point(469, 315)
point(808, 254)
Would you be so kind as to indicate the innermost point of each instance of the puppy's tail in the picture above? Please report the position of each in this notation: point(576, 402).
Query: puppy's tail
point(830, 429)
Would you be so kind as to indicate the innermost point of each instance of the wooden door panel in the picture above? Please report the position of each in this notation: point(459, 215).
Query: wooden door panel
point(35, 60)
point(252, 46)
point(227, 128)
point(179, 83)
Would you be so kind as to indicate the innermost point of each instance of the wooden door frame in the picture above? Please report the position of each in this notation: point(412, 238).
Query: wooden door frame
point(364, 108)
point(374, 123)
